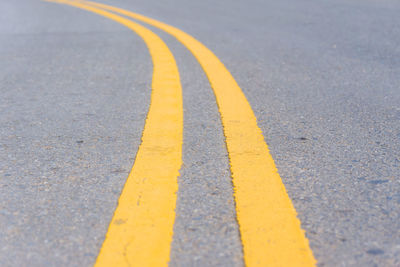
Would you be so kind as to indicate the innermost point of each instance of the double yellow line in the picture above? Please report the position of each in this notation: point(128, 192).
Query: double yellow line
point(140, 232)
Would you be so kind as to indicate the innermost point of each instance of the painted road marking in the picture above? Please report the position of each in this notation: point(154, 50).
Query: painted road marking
point(140, 232)
point(270, 230)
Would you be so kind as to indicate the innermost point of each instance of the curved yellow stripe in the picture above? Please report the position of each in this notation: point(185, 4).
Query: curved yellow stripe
point(270, 231)
point(140, 232)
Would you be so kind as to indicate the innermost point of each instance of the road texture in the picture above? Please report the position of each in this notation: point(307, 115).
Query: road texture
point(322, 77)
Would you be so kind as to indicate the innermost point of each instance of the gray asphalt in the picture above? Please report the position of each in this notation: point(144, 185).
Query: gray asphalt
point(72, 114)
point(323, 78)
point(206, 231)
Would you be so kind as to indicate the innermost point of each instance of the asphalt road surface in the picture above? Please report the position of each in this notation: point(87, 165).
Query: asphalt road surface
point(323, 80)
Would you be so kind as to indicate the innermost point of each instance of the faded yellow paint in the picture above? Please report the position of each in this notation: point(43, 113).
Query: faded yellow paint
point(270, 230)
point(140, 232)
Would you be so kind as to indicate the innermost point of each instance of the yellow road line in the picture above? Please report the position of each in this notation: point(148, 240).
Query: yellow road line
point(270, 230)
point(140, 232)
